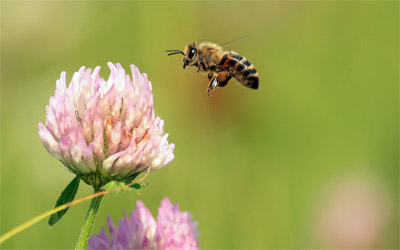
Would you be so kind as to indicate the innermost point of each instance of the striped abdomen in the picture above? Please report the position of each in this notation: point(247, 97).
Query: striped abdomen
point(240, 68)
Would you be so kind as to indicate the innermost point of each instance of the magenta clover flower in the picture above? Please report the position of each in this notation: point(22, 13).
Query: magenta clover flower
point(105, 130)
point(173, 230)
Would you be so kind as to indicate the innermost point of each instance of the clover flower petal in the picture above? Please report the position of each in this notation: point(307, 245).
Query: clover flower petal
point(105, 130)
point(172, 230)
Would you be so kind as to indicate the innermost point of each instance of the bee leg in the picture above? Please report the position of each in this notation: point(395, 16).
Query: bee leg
point(223, 78)
point(204, 66)
point(201, 64)
point(212, 85)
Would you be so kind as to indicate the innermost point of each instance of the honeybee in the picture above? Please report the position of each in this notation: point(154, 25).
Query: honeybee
point(219, 65)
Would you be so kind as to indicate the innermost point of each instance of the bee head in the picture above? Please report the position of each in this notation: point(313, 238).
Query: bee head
point(190, 55)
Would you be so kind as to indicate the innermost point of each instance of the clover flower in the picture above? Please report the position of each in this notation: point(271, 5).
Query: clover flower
point(105, 130)
point(173, 230)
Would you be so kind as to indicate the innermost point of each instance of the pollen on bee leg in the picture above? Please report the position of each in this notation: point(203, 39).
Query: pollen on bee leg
point(211, 86)
point(214, 83)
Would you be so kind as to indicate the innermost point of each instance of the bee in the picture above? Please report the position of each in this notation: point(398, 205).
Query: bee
point(219, 65)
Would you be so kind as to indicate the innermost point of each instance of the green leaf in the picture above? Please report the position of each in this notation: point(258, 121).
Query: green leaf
point(116, 184)
point(66, 196)
point(111, 185)
point(137, 187)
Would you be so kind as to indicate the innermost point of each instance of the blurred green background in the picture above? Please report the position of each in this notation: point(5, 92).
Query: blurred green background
point(310, 160)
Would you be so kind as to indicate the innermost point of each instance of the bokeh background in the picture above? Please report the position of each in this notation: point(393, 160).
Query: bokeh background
point(310, 160)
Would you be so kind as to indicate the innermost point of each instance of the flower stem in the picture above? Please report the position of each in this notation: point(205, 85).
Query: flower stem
point(89, 222)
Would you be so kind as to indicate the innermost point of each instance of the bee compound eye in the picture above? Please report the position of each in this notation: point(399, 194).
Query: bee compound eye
point(192, 53)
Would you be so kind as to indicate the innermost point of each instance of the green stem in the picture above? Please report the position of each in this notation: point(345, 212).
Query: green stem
point(89, 222)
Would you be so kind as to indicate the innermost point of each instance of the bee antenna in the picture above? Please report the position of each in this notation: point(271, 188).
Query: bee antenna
point(174, 51)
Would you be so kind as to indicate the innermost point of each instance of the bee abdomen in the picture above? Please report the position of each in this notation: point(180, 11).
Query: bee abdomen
point(240, 68)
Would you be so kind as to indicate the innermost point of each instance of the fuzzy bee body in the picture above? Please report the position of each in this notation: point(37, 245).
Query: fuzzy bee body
point(220, 66)
point(240, 68)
